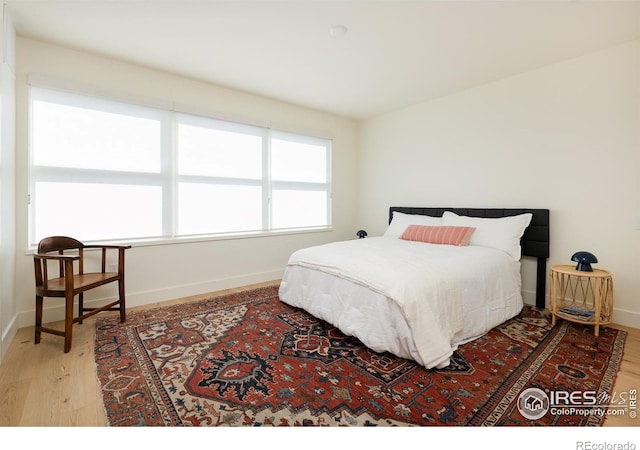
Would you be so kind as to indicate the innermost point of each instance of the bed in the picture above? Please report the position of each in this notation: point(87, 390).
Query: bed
point(418, 295)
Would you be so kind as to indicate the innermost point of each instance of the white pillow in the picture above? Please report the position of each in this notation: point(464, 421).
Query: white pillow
point(503, 233)
point(401, 221)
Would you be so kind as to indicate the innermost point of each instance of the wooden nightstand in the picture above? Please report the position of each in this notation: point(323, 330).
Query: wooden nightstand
point(581, 297)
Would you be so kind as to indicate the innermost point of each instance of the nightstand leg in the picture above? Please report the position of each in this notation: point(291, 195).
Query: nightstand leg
point(552, 296)
point(597, 303)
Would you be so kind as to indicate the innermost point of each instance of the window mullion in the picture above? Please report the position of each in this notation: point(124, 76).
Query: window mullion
point(75, 175)
point(168, 164)
point(266, 181)
point(218, 180)
point(328, 185)
point(299, 186)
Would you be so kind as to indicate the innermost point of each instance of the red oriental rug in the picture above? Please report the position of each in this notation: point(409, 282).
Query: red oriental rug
point(248, 359)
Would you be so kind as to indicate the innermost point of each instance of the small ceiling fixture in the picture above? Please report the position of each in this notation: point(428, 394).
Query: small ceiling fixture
point(337, 30)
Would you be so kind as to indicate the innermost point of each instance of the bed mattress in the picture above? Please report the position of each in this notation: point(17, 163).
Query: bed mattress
point(415, 300)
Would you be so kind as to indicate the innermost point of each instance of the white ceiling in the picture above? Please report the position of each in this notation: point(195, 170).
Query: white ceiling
point(395, 53)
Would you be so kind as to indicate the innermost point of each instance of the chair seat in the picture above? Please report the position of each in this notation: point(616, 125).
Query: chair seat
point(81, 283)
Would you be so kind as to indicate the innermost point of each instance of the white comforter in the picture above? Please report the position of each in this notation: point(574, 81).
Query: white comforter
point(429, 285)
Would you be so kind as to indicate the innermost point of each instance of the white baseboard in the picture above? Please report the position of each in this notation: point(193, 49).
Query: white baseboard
point(7, 337)
point(620, 316)
point(56, 313)
point(160, 295)
point(626, 318)
point(529, 298)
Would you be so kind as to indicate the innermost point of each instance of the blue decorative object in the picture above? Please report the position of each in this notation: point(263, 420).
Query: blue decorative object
point(584, 260)
point(361, 234)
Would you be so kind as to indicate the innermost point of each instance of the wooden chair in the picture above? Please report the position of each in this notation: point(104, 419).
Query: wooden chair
point(69, 283)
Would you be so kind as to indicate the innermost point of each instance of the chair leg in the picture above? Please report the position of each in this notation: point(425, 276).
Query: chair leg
point(39, 301)
point(123, 312)
point(68, 321)
point(80, 306)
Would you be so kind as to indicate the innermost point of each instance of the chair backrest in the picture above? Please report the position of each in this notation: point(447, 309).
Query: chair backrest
point(60, 244)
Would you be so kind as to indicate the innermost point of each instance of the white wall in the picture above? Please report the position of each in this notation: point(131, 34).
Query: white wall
point(564, 137)
point(161, 272)
point(8, 324)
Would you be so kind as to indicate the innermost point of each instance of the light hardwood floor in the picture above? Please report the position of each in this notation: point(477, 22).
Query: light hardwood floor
point(40, 385)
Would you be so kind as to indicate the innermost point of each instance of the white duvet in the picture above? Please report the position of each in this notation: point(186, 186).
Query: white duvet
point(415, 300)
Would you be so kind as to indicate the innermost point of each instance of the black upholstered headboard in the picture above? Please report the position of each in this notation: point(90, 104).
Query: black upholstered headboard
point(534, 242)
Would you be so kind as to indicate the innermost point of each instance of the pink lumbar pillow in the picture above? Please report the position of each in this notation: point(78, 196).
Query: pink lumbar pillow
point(450, 235)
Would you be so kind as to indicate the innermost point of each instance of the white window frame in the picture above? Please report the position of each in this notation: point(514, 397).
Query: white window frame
point(168, 177)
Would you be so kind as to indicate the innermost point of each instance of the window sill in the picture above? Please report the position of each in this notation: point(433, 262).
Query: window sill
point(151, 242)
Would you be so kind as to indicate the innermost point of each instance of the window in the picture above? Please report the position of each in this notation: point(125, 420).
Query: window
point(299, 180)
point(134, 172)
